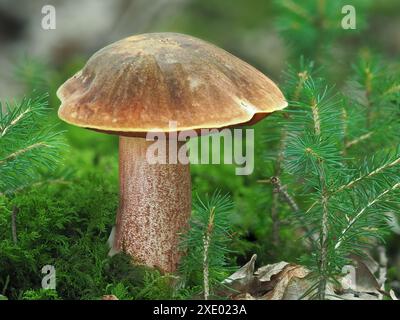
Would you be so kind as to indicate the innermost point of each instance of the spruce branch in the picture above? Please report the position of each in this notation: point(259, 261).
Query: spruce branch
point(206, 246)
point(370, 174)
point(16, 154)
point(29, 143)
point(324, 133)
point(358, 139)
point(23, 114)
point(207, 241)
point(362, 211)
point(324, 202)
point(7, 127)
point(313, 24)
point(324, 236)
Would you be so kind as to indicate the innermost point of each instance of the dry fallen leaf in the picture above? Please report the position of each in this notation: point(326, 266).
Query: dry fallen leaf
point(268, 282)
point(286, 277)
point(266, 272)
point(286, 281)
point(241, 280)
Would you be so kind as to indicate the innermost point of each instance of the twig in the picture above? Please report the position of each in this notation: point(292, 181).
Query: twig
point(281, 189)
point(14, 213)
point(275, 196)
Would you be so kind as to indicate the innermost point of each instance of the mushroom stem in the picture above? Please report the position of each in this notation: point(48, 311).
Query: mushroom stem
point(155, 206)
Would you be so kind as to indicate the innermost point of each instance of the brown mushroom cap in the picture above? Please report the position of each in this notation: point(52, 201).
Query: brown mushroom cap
point(141, 83)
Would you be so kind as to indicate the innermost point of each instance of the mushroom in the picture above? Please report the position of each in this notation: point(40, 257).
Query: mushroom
point(138, 85)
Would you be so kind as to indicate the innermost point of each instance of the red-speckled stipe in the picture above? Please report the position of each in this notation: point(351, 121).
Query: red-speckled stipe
point(155, 206)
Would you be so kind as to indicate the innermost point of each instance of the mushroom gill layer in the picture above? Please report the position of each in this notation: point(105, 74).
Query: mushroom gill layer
point(141, 83)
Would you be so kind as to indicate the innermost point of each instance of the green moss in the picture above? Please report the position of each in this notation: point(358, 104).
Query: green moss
point(40, 294)
point(67, 225)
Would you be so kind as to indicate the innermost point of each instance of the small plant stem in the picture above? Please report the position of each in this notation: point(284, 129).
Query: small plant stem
point(275, 195)
point(206, 245)
point(325, 214)
point(324, 241)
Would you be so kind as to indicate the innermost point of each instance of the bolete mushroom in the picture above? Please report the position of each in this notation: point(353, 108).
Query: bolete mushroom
point(138, 85)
